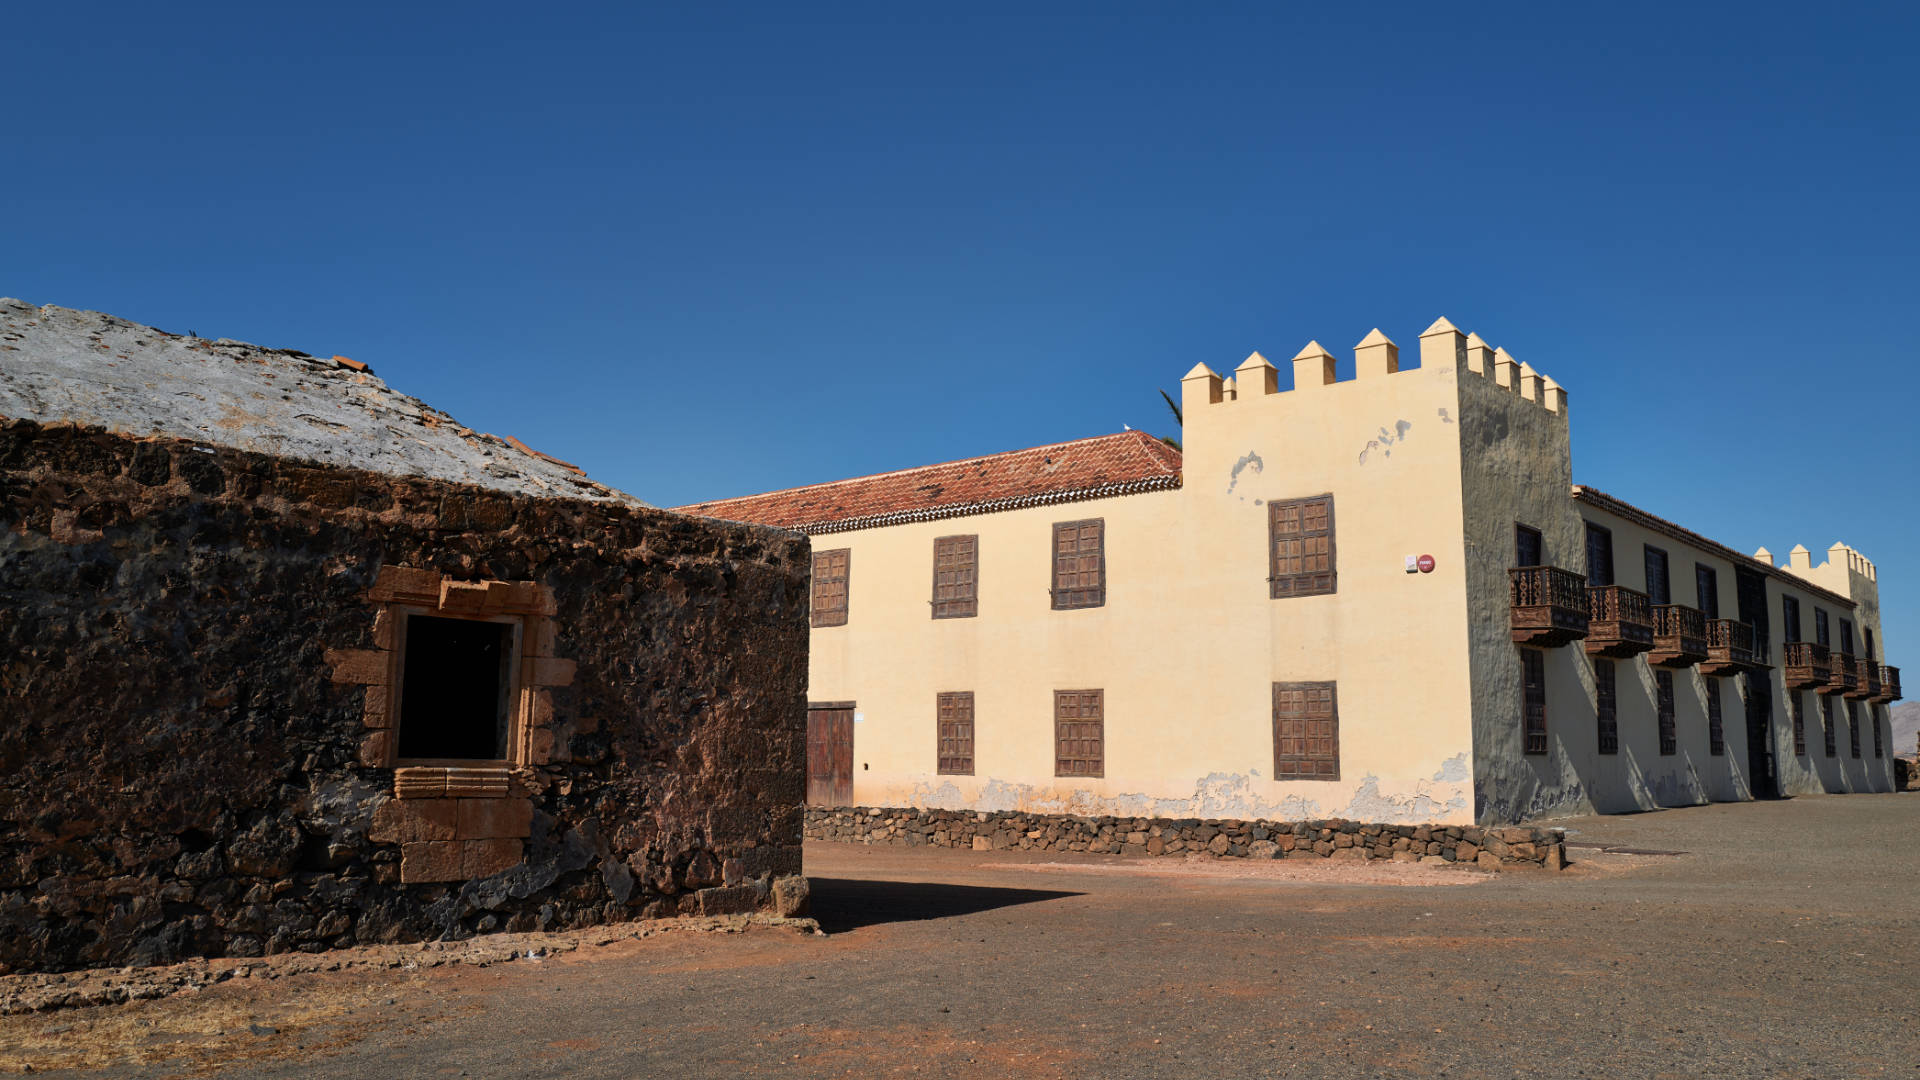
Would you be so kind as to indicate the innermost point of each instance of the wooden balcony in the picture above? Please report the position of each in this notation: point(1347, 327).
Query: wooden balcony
point(1679, 636)
point(1805, 665)
point(1841, 677)
point(1729, 647)
point(1889, 685)
point(1549, 605)
point(1619, 621)
point(1866, 680)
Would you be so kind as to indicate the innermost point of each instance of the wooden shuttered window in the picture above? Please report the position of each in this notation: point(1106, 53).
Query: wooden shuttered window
point(1853, 729)
point(1663, 704)
point(1879, 744)
point(1797, 707)
point(956, 577)
point(1826, 726)
point(1300, 541)
point(830, 586)
point(1533, 685)
point(1079, 733)
point(1079, 564)
point(1306, 731)
point(1716, 724)
point(1606, 707)
point(954, 711)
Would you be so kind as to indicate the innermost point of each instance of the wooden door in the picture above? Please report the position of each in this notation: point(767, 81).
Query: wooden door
point(830, 754)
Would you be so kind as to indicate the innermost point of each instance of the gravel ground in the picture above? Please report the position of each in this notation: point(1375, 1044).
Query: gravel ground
point(1781, 943)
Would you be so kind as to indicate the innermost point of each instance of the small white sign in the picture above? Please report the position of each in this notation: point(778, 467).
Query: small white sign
point(1413, 566)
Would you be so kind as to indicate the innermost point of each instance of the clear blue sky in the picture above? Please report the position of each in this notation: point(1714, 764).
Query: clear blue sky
point(714, 254)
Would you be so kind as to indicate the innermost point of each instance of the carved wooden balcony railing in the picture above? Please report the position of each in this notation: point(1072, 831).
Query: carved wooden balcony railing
point(1841, 677)
point(1549, 605)
point(1729, 647)
point(1805, 665)
point(1889, 685)
point(1679, 636)
point(1619, 621)
point(1867, 680)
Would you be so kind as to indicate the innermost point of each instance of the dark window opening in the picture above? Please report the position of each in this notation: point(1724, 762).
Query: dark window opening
point(1789, 619)
point(454, 683)
point(1826, 725)
point(1867, 639)
point(1821, 636)
point(1846, 637)
point(1533, 668)
point(1528, 549)
point(1879, 745)
point(1606, 707)
point(1659, 585)
point(1853, 729)
point(1706, 582)
point(1669, 738)
point(1599, 555)
point(1716, 725)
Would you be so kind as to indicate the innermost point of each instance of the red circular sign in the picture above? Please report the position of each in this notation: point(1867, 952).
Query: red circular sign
point(1425, 563)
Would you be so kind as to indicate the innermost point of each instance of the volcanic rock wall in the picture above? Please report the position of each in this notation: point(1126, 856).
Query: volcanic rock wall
point(181, 773)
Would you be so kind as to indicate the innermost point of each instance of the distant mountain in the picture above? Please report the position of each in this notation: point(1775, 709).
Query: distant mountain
point(1906, 727)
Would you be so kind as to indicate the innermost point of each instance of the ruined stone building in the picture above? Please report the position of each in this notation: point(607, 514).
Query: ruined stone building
point(1379, 598)
point(289, 660)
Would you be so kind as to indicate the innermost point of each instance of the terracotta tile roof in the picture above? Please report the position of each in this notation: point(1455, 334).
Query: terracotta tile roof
point(1121, 464)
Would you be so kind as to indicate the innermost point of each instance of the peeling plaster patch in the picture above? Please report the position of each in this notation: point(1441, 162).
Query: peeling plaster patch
point(1444, 418)
point(1252, 458)
point(1368, 804)
point(1402, 427)
point(1388, 438)
point(1453, 770)
point(1216, 795)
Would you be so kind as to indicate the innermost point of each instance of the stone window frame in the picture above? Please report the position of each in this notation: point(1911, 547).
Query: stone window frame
point(458, 820)
point(399, 592)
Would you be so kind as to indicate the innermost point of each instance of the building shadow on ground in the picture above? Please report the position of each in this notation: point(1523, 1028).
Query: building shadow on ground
point(842, 904)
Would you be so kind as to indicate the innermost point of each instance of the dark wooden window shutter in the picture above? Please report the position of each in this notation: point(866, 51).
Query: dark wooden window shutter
point(1669, 737)
point(1606, 707)
point(955, 732)
point(1300, 545)
point(1716, 724)
point(1826, 725)
point(956, 577)
point(1599, 555)
point(1853, 729)
point(1533, 666)
point(1079, 564)
point(1790, 619)
point(1659, 584)
point(830, 586)
point(1306, 731)
point(1080, 733)
point(1879, 745)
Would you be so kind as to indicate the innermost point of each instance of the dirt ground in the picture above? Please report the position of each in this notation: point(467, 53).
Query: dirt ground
point(1740, 940)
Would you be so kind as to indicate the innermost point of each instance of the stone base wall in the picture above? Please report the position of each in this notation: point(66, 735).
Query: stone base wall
point(1491, 848)
point(196, 757)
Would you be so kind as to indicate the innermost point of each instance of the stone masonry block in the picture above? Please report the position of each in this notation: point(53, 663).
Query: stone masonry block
point(538, 638)
point(367, 667)
point(737, 900)
point(414, 821)
point(485, 858)
point(404, 582)
point(550, 671)
point(493, 819)
point(437, 860)
point(376, 749)
point(374, 713)
point(540, 745)
point(463, 597)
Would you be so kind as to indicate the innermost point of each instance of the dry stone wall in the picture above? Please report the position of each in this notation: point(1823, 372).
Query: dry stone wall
point(1489, 848)
point(186, 771)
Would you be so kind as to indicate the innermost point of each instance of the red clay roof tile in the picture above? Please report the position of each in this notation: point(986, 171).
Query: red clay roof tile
point(1085, 468)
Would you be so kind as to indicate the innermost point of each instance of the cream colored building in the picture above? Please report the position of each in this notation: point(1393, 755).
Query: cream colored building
point(1328, 606)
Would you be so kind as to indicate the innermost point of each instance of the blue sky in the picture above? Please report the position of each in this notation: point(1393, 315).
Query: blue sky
point(745, 248)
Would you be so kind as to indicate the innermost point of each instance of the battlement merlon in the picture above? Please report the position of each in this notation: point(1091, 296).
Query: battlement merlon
point(1443, 346)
